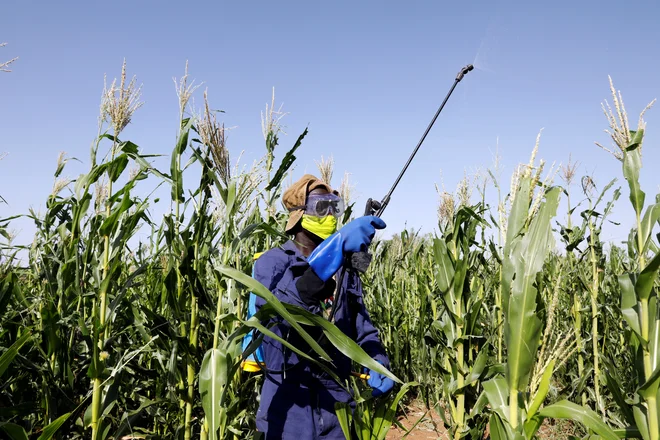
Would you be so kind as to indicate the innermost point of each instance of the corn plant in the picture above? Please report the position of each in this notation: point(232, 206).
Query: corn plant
point(458, 264)
point(638, 285)
point(515, 398)
point(372, 417)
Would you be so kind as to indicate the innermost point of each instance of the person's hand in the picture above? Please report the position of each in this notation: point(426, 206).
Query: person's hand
point(380, 384)
point(355, 236)
point(359, 233)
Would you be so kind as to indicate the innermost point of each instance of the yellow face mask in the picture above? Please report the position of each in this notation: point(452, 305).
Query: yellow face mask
point(324, 227)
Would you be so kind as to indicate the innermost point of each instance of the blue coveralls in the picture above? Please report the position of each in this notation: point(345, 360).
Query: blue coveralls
point(297, 398)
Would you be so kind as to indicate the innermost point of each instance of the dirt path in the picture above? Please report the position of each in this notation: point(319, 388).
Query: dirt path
point(430, 426)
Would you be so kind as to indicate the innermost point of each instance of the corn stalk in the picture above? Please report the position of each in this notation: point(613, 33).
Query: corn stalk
point(639, 297)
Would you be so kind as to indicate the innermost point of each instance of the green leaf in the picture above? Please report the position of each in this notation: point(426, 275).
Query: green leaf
point(117, 166)
point(650, 388)
point(629, 432)
point(522, 326)
point(287, 161)
point(131, 151)
point(13, 431)
point(542, 391)
point(254, 323)
point(497, 429)
point(110, 223)
point(382, 425)
point(515, 224)
point(341, 341)
point(641, 420)
point(344, 415)
point(649, 275)
point(571, 411)
point(12, 351)
point(130, 418)
point(444, 268)
point(51, 429)
point(629, 307)
point(213, 378)
point(230, 203)
point(615, 388)
point(175, 171)
point(497, 394)
point(632, 163)
point(651, 216)
point(478, 366)
point(260, 290)
point(9, 287)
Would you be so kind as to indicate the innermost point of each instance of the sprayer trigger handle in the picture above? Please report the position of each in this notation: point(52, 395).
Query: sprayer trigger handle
point(371, 207)
point(360, 261)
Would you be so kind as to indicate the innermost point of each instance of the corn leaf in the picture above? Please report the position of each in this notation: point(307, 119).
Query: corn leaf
point(629, 306)
point(111, 222)
point(629, 432)
point(286, 163)
point(50, 430)
point(649, 275)
point(342, 410)
point(498, 430)
point(11, 352)
point(175, 171)
point(478, 367)
point(571, 411)
point(117, 166)
point(444, 267)
point(523, 328)
point(542, 391)
point(342, 342)
point(498, 396)
point(213, 377)
point(641, 420)
point(517, 219)
point(13, 431)
point(254, 323)
point(382, 425)
point(260, 290)
point(615, 388)
point(9, 287)
point(632, 163)
point(650, 388)
point(651, 216)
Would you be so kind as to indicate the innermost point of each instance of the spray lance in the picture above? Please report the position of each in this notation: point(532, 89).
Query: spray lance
point(360, 260)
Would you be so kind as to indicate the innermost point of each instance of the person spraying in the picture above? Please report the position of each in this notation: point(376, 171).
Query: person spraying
point(298, 398)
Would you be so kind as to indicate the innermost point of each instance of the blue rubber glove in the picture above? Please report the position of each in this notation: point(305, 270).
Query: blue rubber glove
point(380, 384)
point(355, 236)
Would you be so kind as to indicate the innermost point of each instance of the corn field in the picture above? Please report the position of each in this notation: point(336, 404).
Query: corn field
point(504, 318)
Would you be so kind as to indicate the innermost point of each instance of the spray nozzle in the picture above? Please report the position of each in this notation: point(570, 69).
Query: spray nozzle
point(464, 72)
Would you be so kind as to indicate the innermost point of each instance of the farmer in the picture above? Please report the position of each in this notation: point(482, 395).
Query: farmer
point(297, 397)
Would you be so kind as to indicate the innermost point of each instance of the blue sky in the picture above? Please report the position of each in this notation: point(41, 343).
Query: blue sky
point(365, 77)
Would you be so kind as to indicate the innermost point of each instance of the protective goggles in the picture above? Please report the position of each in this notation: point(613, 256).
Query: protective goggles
point(321, 205)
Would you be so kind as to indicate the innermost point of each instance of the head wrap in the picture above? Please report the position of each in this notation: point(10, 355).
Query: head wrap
point(296, 195)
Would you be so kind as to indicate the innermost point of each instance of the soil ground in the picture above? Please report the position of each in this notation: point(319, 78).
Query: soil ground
point(432, 427)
